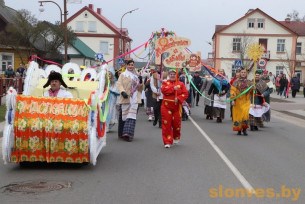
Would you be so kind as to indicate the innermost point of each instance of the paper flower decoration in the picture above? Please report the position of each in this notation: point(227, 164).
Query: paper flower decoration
point(255, 51)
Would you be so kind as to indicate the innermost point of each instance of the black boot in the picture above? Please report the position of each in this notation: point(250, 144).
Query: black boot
point(218, 120)
point(155, 122)
point(255, 128)
point(211, 118)
point(208, 117)
point(239, 133)
point(251, 128)
point(245, 132)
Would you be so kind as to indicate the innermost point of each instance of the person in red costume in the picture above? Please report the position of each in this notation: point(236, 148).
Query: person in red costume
point(174, 94)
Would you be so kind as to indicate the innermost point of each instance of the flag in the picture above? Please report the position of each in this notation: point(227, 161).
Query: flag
point(74, 1)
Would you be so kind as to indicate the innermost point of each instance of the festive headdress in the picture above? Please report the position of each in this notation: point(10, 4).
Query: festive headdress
point(172, 70)
point(55, 76)
point(258, 72)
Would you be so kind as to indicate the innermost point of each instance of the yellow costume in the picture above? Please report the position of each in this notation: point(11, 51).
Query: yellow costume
point(240, 111)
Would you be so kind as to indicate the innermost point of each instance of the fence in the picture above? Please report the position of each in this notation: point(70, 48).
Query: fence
point(5, 83)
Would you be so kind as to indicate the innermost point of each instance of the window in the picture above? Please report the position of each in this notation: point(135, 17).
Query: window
point(298, 64)
point(104, 47)
point(260, 23)
point(280, 45)
point(279, 70)
point(92, 26)
point(5, 60)
point(236, 44)
point(79, 26)
point(299, 49)
point(251, 23)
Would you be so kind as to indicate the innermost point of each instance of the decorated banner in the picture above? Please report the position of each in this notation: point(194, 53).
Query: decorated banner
point(174, 46)
point(194, 62)
point(50, 130)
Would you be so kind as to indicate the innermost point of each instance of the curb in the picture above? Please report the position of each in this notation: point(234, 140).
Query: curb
point(288, 117)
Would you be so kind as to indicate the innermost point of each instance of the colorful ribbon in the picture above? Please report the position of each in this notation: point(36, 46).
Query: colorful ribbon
point(244, 92)
point(50, 62)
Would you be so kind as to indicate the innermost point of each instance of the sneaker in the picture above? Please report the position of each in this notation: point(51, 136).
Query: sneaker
point(150, 118)
point(176, 142)
point(167, 146)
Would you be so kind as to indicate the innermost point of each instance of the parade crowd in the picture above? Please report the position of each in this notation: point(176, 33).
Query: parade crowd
point(168, 97)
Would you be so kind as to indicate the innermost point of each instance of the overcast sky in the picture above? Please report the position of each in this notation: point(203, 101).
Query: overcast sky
point(194, 19)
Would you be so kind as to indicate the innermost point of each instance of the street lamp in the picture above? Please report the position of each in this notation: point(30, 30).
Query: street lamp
point(121, 32)
point(65, 13)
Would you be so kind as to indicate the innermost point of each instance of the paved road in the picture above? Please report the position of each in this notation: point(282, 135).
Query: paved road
point(145, 172)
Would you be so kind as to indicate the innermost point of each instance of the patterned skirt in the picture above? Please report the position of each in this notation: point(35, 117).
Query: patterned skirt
point(255, 121)
point(208, 110)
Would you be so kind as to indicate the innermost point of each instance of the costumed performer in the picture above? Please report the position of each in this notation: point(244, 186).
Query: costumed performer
point(155, 85)
point(112, 101)
point(130, 87)
point(241, 105)
point(261, 92)
point(219, 88)
point(267, 116)
point(186, 111)
point(174, 94)
point(208, 110)
point(55, 80)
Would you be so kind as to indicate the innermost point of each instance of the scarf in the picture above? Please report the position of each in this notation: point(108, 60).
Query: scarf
point(242, 84)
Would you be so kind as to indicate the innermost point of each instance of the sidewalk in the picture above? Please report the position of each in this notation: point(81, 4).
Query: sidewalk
point(290, 106)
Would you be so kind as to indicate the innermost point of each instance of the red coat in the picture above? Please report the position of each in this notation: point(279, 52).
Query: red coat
point(169, 93)
point(171, 110)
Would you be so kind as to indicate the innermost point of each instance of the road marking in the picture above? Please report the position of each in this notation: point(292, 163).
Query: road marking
point(234, 170)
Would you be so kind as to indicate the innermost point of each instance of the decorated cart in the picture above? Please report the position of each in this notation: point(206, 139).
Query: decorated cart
point(46, 129)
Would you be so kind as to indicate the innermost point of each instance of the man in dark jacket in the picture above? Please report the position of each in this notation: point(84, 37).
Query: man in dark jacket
point(198, 83)
point(295, 85)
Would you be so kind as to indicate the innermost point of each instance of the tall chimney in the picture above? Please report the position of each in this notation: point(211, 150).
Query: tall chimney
point(99, 11)
point(287, 19)
point(91, 6)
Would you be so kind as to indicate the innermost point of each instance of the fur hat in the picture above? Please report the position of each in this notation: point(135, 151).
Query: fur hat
point(55, 76)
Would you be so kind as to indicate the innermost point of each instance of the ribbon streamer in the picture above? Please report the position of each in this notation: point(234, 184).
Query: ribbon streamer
point(244, 92)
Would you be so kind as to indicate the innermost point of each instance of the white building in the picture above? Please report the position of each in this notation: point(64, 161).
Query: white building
point(283, 42)
point(98, 33)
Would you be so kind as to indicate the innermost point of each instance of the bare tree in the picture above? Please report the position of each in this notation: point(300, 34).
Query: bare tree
point(295, 16)
point(26, 35)
point(241, 52)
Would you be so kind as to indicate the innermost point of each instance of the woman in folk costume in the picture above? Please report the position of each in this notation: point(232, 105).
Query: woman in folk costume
point(261, 92)
point(237, 74)
point(241, 105)
point(130, 87)
point(208, 110)
point(155, 84)
point(149, 99)
point(112, 101)
point(174, 94)
point(186, 111)
point(219, 88)
point(267, 116)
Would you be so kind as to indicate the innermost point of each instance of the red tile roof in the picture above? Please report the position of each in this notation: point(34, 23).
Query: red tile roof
point(296, 26)
point(219, 27)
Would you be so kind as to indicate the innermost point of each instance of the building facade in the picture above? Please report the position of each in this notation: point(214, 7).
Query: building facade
point(99, 34)
point(283, 42)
